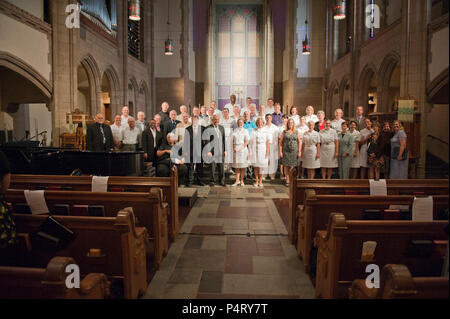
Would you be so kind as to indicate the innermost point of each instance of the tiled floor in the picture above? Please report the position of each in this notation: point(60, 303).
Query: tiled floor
point(233, 245)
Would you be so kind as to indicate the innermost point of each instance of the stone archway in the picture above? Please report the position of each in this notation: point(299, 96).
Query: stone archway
point(344, 96)
point(133, 96)
point(333, 99)
point(368, 86)
point(94, 85)
point(389, 82)
point(111, 74)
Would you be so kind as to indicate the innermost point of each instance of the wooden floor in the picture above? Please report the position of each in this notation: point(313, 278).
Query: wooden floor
point(233, 244)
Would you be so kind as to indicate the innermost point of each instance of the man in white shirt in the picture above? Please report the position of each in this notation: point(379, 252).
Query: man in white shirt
point(181, 128)
point(230, 106)
point(247, 107)
point(183, 109)
point(125, 116)
point(140, 123)
point(227, 122)
point(216, 110)
point(116, 129)
point(207, 121)
point(131, 137)
point(270, 109)
point(253, 112)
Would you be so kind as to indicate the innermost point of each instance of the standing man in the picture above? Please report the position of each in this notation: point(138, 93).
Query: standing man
point(196, 111)
point(158, 124)
point(277, 116)
point(230, 106)
point(125, 115)
point(216, 110)
point(171, 124)
point(99, 136)
point(164, 113)
point(131, 137)
point(270, 107)
point(194, 143)
point(116, 129)
point(217, 154)
point(183, 110)
point(360, 119)
point(141, 124)
point(227, 122)
point(253, 112)
point(151, 141)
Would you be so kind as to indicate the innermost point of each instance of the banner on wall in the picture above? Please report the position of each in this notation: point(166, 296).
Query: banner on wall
point(406, 111)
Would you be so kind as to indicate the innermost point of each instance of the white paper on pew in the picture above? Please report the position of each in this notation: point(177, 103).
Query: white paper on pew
point(100, 184)
point(422, 209)
point(378, 188)
point(36, 201)
point(368, 248)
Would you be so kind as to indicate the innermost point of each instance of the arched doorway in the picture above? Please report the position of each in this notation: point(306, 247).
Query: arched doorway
point(84, 90)
point(372, 96)
point(345, 97)
point(389, 79)
point(367, 91)
point(106, 98)
point(133, 92)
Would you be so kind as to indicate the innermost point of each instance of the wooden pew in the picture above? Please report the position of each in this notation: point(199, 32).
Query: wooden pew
point(149, 209)
point(313, 215)
point(169, 185)
point(50, 282)
point(340, 248)
point(397, 283)
point(122, 247)
point(361, 186)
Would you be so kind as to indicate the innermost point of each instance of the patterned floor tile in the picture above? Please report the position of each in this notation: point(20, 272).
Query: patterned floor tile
point(211, 282)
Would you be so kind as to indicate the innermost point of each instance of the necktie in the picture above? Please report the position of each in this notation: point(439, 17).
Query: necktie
point(103, 134)
point(174, 124)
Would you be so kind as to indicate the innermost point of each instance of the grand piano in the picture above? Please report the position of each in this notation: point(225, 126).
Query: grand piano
point(29, 158)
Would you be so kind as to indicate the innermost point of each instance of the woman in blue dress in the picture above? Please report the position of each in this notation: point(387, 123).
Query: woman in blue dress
point(399, 166)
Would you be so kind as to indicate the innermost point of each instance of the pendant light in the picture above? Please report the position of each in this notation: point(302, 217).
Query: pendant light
point(134, 9)
point(339, 10)
point(168, 48)
point(306, 46)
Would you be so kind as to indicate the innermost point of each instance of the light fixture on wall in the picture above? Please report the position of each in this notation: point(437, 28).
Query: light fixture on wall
point(306, 46)
point(339, 10)
point(168, 50)
point(134, 10)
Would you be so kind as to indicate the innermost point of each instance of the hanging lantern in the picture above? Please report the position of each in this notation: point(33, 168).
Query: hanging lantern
point(306, 46)
point(169, 47)
point(134, 9)
point(339, 10)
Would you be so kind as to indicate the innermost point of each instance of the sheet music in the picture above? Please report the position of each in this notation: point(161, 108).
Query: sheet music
point(378, 188)
point(100, 184)
point(36, 201)
point(422, 209)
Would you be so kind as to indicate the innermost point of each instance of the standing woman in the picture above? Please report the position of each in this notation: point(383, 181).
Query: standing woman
point(240, 154)
point(320, 125)
point(290, 148)
point(281, 129)
point(293, 114)
point(303, 129)
point(365, 137)
point(329, 141)
point(273, 133)
point(355, 154)
point(399, 153)
point(310, 116)
point(346, 150)
point(259, 150)
point(375, 156)
point(311, 150)
point(336, 124)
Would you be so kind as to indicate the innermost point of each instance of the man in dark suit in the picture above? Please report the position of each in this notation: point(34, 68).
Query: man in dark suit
point(359, 118)
point(164, 113)
point(216, 134)
point(99, 136)
point(171, 124)
point(192, 149)
point(151, 141)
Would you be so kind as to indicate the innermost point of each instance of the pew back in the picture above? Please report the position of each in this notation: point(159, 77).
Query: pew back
point(361, 187)
point(50, 282)
point(122, 245)
point(339, 260)
point(148, 209)
point(314, 214)
point(169, 186)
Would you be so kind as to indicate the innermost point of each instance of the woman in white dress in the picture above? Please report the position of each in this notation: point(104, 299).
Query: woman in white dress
point(302, 129)
point(273, 132)
point(240, 154)
point(227, 122)
point(310, 116)
point(311, 150)
point(355, 156)
point(329, 150)
point(336, 124)
point(366, 134)
point(293, 114)
point(281, 129)
point(259, 150)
